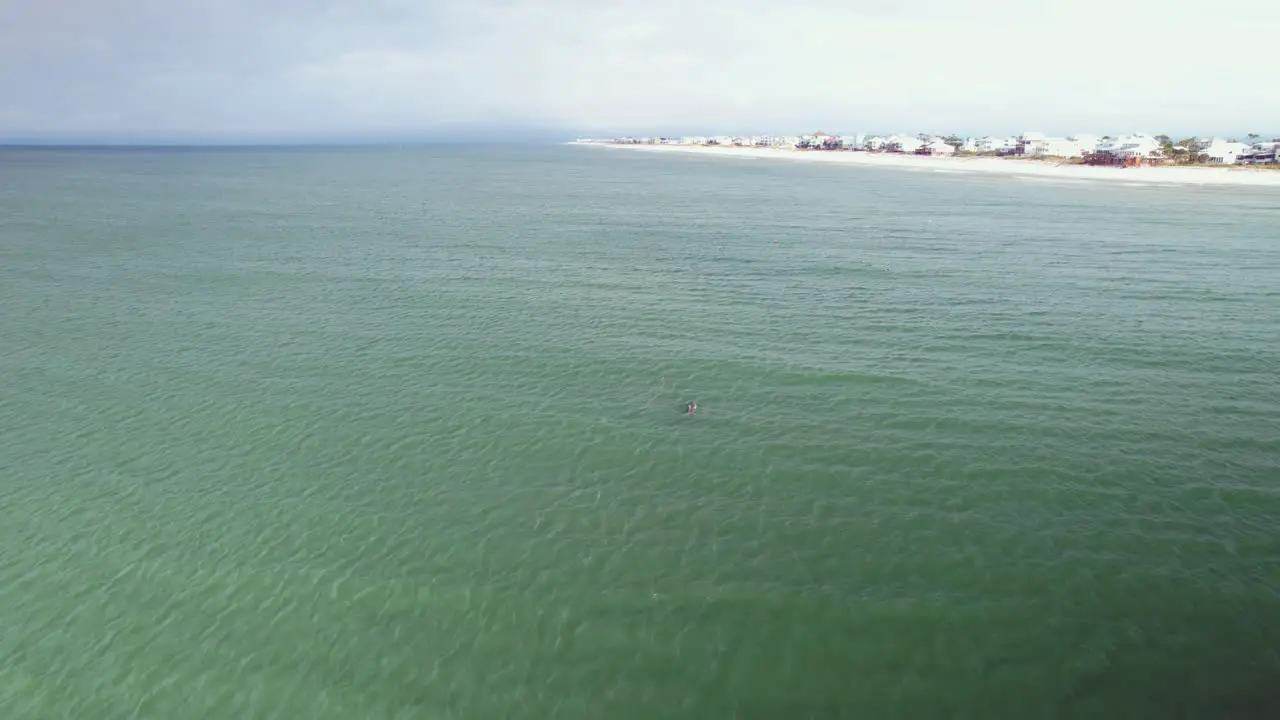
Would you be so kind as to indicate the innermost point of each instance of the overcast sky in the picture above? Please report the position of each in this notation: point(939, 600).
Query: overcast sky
point(279, 69)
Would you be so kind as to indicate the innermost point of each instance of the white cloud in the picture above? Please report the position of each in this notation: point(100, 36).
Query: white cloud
point(998, 65)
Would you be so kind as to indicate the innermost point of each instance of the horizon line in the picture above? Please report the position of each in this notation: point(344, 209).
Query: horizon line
point(135, 144)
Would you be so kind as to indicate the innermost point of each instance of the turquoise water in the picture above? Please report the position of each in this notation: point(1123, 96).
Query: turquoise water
point(396, 433)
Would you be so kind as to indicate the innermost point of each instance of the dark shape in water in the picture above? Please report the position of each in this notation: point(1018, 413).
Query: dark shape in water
point(690, 408)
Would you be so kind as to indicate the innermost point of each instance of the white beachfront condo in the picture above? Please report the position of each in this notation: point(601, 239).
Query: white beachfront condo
point(1057, 147)
point(1222, 152)
point(937, 146)
point(1130, 146)
point(1263, 153)
point(994, 144)
point(904, 144)
point(1088, 143)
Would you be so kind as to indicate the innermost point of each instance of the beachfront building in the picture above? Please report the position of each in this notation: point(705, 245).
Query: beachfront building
point(1026, 141)
point(937, 146)
point(1221, 152)
point(903, 144)
point(989, 145)
point(1088, 143)
point(1136, 145)
point(1126, 150)
point(1055, 147)
point(820, 141)
point(1263, 153)
point(875, 143)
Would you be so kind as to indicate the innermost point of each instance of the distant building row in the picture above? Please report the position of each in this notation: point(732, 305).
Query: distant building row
point(1127, 149)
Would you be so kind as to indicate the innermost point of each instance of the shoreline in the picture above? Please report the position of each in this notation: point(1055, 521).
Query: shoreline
point(1027, 167)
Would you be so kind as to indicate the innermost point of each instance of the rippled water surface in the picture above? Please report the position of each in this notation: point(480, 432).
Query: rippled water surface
point(396, 434)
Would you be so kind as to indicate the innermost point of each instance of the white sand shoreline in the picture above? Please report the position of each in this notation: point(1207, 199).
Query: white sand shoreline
point(1162, 175)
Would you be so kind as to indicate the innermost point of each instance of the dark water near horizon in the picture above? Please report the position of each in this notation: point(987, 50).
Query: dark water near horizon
point(376, 433)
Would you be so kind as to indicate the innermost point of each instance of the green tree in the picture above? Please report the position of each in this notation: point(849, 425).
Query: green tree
point(1187, 150)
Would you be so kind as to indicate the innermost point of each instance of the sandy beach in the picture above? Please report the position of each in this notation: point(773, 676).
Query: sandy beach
point(1037, 168)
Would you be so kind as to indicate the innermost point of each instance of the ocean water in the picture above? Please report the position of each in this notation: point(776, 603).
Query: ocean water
point(397, 433)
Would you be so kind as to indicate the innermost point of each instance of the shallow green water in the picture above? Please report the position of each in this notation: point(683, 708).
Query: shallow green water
point(396, 434)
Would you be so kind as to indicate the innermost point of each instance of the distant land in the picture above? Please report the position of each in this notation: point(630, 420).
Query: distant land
point(1135, 158)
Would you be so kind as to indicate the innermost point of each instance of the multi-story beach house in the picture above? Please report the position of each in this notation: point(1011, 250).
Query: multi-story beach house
point(1088, 143)
point(903, 144)
point(994, 145)
point(820, 141)
point(1126, 150)
point(1222, 152)
point(1058, 147)
point(773, 141)
point(1263, 153)
point(937, 146)
point(1027, 141)
point(1074, 146)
